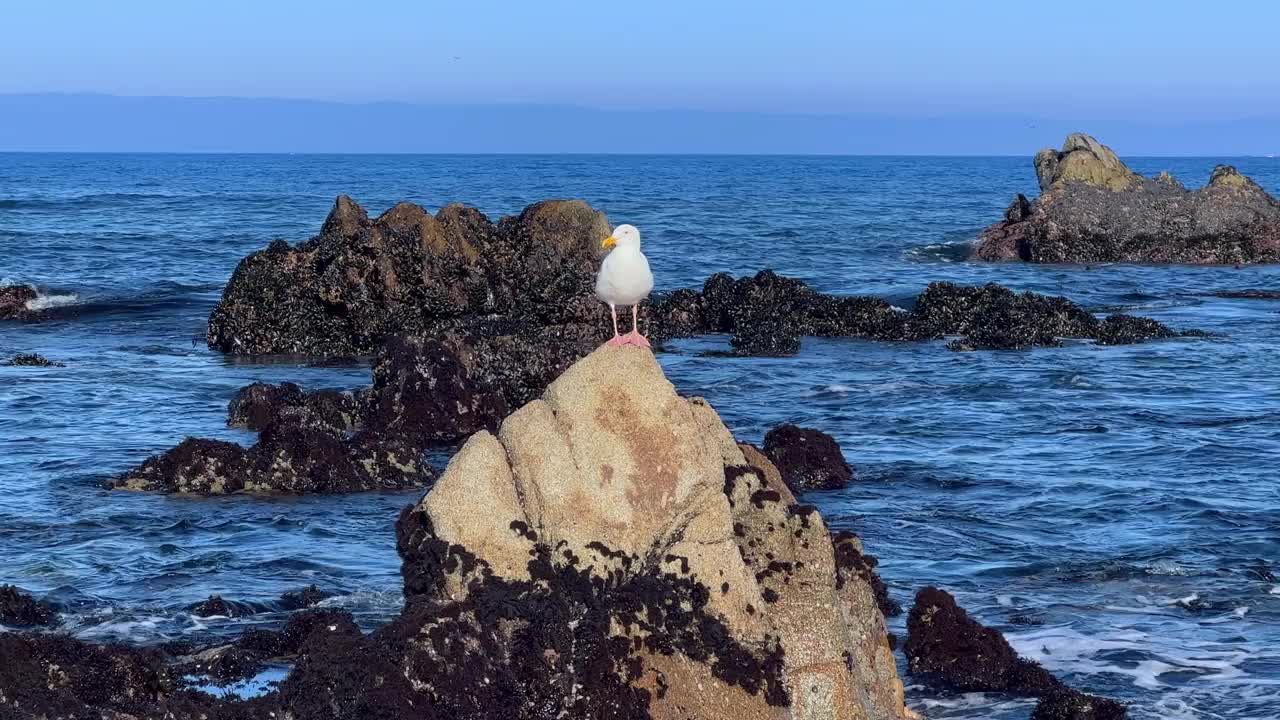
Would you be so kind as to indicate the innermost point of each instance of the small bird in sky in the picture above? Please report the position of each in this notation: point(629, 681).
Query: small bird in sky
point(624, 279)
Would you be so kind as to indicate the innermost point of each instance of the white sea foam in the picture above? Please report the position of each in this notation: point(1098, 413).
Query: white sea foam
point(1063, 649)
point(45, 302)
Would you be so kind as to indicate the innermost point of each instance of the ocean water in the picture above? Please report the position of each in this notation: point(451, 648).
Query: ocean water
point(1115, 511)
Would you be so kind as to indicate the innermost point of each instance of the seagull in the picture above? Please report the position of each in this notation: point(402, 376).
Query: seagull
point(624, 279)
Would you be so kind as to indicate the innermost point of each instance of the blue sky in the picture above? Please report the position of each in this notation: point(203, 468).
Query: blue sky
point(1170, 60)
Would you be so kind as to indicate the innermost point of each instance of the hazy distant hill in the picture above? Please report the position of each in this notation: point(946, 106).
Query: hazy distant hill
point(107, 123)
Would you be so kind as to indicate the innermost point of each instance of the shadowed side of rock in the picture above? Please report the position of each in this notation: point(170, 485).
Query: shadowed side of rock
point(1093, 208)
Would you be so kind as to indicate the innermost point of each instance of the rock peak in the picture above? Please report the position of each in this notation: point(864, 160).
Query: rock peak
point(345, 219)
point(1083, 159)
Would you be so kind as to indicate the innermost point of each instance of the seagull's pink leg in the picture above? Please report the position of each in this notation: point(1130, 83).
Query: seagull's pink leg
point(616, 339)
point(634, 337)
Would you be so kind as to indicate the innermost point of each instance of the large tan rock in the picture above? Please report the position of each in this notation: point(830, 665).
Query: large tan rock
point(613, 475)
point(1083, 159)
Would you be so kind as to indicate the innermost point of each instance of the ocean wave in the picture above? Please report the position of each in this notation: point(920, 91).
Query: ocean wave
point(48, 302)
point(85, 200)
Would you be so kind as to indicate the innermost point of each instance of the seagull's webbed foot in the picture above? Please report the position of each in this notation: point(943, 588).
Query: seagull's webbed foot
point(617, 341)
point(635, 339)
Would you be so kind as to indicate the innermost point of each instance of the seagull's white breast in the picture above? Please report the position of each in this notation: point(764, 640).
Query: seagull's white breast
point(624, 277)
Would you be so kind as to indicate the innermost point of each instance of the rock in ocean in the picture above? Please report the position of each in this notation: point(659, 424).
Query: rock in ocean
point(949, 649)
point(1093, 208)
point(409, 272)
point(636, 551)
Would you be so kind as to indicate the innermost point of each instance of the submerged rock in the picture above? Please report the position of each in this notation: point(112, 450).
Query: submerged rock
point(361, 281)
point(303, 598)
point(1093, 208)
point(951, 650)
point(1072, 705)
point(808, 459)
point(14, 301)
point(18, 609)
point(1249, 294)
point(215, 606)
point(31, 360)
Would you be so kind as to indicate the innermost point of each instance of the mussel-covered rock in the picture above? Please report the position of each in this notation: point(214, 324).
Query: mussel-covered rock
point(14, 300)
point(408, 272)
point(260, 405)
point(31, 360)
point(949, 649)
point(808, 459)
point(1093, 208)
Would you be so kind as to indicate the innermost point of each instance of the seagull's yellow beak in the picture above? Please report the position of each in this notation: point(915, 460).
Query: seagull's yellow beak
point(608, 243)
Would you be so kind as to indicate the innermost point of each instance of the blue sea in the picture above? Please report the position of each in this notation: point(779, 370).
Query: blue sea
point(1114, 510)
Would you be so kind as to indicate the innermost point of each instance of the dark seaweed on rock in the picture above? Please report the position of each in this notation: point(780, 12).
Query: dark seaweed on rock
point(518, 293)
point(852, 561)
point(289, 459)
point(31, 360)
point(408, 272)
point(13, 301)
point(1092, 208)
point(808, 459)
point(767, 314)
point(948, 648)
point(554, 633)
point(426, 392)
point(260, 405)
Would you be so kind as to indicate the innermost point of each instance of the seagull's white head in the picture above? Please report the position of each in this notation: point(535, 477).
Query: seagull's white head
point(626, 236)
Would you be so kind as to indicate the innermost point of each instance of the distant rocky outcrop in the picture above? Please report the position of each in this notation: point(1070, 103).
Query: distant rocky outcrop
point(951, 650)
point(808, 459)
point(1093, 208)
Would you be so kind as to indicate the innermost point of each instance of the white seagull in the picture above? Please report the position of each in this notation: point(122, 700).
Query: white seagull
point(624, 279)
